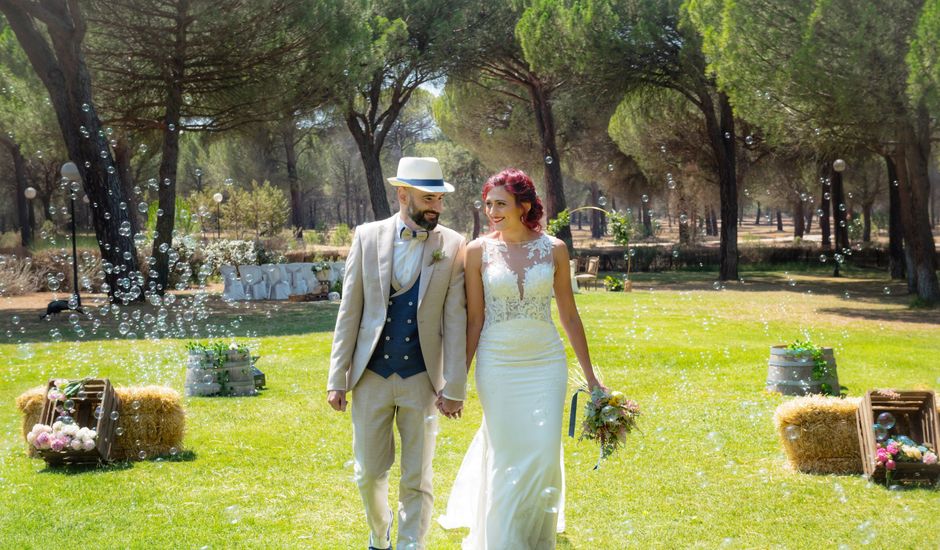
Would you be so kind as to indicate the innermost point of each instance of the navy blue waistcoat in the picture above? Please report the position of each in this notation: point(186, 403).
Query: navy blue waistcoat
point(399, 351)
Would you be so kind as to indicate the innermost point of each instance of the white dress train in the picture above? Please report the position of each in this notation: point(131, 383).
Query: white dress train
point(510, 487)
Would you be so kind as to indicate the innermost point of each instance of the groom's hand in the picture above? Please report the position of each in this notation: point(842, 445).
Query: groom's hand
point(450, 408)
point(337, 400)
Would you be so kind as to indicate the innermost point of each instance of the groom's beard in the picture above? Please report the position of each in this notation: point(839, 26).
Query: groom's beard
point(424, 218)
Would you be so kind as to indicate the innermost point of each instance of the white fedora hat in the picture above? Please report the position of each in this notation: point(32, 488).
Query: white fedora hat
point(422, 173)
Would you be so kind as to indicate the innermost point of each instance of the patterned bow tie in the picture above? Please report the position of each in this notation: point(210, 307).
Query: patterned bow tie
point(407, 234)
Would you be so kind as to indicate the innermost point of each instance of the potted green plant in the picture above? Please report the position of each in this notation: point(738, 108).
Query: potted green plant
point(322, 270)
point(217, 368)
point(803, 368)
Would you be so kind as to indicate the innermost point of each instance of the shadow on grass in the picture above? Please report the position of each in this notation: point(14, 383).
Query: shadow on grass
point(265, 318)
point(117, 466)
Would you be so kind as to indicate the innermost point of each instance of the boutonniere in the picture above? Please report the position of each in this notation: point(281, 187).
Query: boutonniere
point(438, 255)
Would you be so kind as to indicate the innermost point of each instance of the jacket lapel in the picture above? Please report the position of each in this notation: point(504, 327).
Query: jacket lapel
point(427, 265)
point(385, 247)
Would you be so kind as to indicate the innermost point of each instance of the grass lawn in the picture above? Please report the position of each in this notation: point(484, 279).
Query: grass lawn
point(274, 470)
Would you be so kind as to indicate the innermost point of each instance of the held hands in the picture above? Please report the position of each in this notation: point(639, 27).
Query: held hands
point(337, 400)
point(448, 407)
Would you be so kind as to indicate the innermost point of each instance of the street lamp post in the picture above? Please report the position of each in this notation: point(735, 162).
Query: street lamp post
point(30, 194)
point(71, 173)
point(838, 215)
point(218, 215)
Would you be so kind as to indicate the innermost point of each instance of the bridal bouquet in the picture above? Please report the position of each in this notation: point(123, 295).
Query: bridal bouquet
point(608, 417)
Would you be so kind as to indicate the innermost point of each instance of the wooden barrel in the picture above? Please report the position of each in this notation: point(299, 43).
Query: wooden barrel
point(204, 377)
point(791, 373)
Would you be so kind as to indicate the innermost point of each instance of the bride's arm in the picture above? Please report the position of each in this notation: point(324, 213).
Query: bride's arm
point(473, 281)
point(568, 312)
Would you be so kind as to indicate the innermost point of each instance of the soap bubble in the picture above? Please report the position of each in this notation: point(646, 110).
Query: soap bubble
point(549, 498)
point(792, 432)
point(881, 433)
point(887, 420)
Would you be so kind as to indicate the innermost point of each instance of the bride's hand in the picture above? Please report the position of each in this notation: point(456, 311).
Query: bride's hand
point(595, 383)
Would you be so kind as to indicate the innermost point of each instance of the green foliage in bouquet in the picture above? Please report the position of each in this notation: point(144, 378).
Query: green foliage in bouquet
point(608, 418)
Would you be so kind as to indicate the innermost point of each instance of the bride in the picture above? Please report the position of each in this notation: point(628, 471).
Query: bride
point(510, 487)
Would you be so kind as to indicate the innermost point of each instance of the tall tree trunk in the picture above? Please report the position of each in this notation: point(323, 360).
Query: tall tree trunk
point(779, 220)
point(866, 222)
point(554, 184)
point(721, 137)
point(838, 212)
point(369, 153)
point(19, 178)
point(293, 181)
point(799, 219)
point(61, 67)
point(914, 149)
point(757, 217)
point(897, 264)
point(122, 162)
point(809, 222)
point(824, 226)
point(169, 155)
point(597, 218)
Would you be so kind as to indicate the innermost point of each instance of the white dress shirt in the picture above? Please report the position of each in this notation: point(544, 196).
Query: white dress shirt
point(407, 255)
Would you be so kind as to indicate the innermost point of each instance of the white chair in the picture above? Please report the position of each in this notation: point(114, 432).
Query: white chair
point(276, 278)
point(339, 270)
point(234, 289)
point(253, 279)
point(298, 285)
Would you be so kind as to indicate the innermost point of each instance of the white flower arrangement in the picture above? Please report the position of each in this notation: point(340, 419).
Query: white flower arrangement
point(62, 436)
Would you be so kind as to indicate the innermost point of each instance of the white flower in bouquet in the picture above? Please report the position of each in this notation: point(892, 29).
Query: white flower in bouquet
point(56, 426)
point(76, 444)
point(88, 444)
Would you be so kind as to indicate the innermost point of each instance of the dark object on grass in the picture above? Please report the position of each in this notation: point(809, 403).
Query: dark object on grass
point(55, 307)
point(260, 380)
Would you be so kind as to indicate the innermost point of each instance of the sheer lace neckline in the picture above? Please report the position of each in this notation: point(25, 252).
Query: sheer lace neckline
point(517, 279)
point(539, 237)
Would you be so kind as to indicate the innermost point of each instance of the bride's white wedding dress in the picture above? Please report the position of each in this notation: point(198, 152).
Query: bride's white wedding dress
point(510, 487)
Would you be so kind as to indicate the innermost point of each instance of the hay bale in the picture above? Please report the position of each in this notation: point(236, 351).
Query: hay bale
point(826, 437)
point(826, 427)
point(30, 404)
point(157, 425)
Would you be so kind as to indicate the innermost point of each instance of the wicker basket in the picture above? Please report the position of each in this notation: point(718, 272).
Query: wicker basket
point(915, 414)
point(94, 393)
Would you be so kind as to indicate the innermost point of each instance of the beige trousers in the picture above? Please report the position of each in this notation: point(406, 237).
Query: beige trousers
point(378, 403)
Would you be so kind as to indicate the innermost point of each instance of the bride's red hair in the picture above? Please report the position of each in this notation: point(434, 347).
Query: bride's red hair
point(520, 186)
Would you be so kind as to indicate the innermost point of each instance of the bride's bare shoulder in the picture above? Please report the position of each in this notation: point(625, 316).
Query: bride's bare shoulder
point(559, 248)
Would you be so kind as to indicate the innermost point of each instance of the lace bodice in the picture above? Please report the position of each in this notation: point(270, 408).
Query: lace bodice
point(517, 280)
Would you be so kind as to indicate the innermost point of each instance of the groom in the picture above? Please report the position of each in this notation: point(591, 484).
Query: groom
point(400, 347)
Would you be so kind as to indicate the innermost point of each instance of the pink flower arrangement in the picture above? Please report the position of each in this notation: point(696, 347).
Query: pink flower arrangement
point(61, 437)
point(902, 449)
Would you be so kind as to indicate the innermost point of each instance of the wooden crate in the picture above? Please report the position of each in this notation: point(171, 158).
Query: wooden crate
point(95, 393)
point(915, 414)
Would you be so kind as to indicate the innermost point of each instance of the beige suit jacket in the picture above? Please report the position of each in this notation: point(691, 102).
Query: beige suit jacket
point(442, 307)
